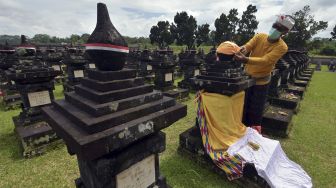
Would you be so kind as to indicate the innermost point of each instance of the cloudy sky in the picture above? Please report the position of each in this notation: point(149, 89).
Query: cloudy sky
point(135, 18)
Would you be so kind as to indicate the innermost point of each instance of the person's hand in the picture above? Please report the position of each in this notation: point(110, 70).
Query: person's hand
point(240, 57)
point(243, 50)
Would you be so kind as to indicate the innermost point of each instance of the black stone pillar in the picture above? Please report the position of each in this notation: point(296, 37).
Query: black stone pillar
point(164, 68)
point(191, 66)
point(112, 120)
point(75, 68)
point(35, 85)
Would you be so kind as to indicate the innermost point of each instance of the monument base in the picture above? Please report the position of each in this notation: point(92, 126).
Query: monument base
point(277, 121)
point(134, 166)
point(286, 100)
point(174, 92)
point(301, 83)
point(68, 87)
point(191, 146)
point(11, 101)
point(34, 137)
point(296, 90)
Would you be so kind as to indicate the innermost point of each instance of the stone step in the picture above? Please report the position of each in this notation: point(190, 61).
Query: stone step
point(301, 83)
point(103, 97)
point(296, 90)
point(283, 102)
point(97, 124)
point(34, 137)
point(274, 123)
point(112, 85)
point(111, 75)
point(219, 77)
point(222, 87)
point(91, 146)
point(97, 109)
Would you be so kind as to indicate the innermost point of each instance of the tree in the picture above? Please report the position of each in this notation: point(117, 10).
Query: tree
point(74, 39)
point(41, 38)
point(202, 34)
point(184, 29)
point(247, 25)
point(161, 34)
point(84, 38)
point(212, 38)
point(226, 26)
point(333, 33)
point(305, 27)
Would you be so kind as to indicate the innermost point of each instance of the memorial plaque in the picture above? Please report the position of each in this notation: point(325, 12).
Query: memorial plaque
point(56, 67)
point(92, 66)
point(39, 98)
point(149, 67)
point(140, 175)
point(79, 73)
point(168, 77)
point(196, 72)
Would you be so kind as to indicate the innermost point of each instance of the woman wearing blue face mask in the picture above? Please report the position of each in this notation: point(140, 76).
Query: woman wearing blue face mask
point(265, 50)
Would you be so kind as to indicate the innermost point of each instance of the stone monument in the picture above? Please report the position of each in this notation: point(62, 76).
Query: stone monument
point(34, 81)
point(112, 120)
point(164, 65)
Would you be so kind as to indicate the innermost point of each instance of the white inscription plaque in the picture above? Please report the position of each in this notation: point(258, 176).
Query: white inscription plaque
point(139, 175)
point(39, 98)
point(149, 67)
point(168, 77)
point(79, 73)
point(56, 67)
point(92, 66)
point(196, 72)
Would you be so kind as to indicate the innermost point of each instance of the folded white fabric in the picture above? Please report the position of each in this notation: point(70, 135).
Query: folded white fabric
point(270, 161)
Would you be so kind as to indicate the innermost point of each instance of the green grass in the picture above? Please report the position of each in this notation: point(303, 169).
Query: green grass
point(312, 144)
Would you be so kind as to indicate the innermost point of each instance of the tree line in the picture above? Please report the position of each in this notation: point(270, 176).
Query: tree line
point(185, 31)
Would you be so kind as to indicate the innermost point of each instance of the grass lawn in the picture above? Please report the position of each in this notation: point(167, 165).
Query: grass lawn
point(312, 144)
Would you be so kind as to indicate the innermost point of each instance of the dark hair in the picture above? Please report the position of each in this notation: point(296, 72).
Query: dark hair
point(225, 57)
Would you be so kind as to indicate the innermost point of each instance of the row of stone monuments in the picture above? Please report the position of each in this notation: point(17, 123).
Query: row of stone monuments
point(288, 84)
point(111, 118)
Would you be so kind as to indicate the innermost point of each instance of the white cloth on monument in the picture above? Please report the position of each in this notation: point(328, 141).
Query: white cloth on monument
point(270, 161)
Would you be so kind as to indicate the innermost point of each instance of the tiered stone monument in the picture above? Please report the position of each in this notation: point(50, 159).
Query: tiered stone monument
point(54, 60)
point(291, 87)
point(132, 61)
point(164, 64)
point(280, 107)
point(35, 83)
point(226, 78)
point(284, 98)
point(112, 120)
point(75, 67)
point(145, 67)
point(10, 97)
point(295, 65)
point(191, 65)
point(211, 56)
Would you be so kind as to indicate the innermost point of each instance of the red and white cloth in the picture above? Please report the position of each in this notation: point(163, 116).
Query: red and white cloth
point(108, 47)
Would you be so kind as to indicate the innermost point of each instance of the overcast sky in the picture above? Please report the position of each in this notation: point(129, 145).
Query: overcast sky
point(134, 18)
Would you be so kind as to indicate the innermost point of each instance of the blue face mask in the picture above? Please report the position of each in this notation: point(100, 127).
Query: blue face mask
point(274, 34)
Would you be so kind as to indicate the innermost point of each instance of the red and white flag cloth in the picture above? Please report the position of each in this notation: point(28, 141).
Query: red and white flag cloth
point(108, 47)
